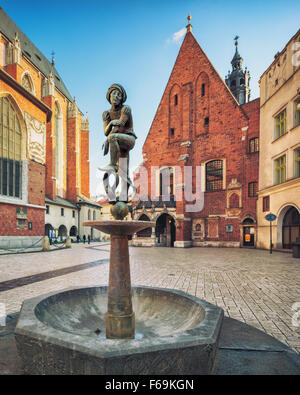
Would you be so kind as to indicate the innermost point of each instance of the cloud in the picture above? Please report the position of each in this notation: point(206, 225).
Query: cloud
point(177, 36)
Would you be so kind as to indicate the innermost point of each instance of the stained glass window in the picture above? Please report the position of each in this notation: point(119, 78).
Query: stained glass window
point(10, 150)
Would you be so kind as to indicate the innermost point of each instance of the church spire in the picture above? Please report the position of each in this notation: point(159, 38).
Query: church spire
point(238, 79)
point(189, 26)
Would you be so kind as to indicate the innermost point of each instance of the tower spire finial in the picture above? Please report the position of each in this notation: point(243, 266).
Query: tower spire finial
point(52, 58)
point(236, 40)
point(189, 26)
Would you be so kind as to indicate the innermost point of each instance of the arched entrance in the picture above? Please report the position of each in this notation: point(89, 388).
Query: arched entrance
point(73, 231)
point(62, 232)
point(165, 231)
point(48, 230)
point(248, 226)
point(145, 232)
point(290, 227)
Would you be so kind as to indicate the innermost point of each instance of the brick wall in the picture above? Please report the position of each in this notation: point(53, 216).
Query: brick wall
point(8, 221)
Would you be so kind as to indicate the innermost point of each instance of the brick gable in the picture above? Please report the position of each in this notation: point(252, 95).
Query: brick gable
point(198, 120)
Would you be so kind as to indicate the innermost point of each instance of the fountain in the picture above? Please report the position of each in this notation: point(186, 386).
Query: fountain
point(118, 329)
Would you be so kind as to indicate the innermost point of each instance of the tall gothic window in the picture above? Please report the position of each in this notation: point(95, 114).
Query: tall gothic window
point(214, 175)
point(10, 151)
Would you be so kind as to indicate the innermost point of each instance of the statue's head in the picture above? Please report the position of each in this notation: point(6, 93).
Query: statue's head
point(116, 88)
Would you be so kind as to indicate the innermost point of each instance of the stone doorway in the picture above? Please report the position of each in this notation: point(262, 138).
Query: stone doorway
point(290, 227)
point(248, 232)
point(165, 231)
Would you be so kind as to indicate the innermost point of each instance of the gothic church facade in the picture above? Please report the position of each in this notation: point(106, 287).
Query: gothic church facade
point(200, 123)
point(44, 146)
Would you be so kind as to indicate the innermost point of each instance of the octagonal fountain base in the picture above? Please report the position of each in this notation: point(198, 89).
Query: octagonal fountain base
point(64, 333)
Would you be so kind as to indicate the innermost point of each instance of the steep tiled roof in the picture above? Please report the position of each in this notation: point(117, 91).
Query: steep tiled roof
point(9, 29)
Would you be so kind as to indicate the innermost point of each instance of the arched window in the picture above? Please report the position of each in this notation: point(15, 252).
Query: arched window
point(202, 89)
point(27, 83)
point(89, 215)
point(94, 215)
point(10, 150)
point(166, 181)
point(202, 104)
point(175, 105)
point(214, 175)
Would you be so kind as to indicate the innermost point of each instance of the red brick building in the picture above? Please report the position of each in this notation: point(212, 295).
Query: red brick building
point(44, 146)
point(199, 123)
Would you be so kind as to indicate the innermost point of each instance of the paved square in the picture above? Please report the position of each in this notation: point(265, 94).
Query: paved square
point(253, 286)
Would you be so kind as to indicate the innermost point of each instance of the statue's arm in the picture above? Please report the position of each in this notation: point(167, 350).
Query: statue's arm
point(124, 117)
point(107, 125)
point(125, 114)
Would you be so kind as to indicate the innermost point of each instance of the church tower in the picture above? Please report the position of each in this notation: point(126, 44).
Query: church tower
point(238, 79)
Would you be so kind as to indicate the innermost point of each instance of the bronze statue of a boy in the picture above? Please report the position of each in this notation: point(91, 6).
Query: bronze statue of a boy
point(118, 127)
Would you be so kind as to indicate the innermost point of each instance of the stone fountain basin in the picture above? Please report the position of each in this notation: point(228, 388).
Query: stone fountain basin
point(64, 333)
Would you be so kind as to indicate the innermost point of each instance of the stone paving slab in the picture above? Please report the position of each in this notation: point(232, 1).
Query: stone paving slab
point(252, 286)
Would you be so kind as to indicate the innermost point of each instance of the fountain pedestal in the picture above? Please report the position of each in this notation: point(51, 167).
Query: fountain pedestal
point(120, 319)
point(119, 316)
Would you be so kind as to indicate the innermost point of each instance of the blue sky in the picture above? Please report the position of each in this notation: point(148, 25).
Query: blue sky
point(99, 42)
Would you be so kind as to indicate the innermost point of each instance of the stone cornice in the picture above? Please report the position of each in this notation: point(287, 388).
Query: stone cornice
point(279, 187)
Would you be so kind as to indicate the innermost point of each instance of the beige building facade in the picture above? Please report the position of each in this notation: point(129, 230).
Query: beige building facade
point(279, 161)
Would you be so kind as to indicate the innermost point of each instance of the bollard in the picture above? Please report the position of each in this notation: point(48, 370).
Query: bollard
point(46, 243)
point(68, 242)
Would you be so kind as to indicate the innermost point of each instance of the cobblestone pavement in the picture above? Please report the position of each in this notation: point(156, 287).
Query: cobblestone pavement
point(252, 286)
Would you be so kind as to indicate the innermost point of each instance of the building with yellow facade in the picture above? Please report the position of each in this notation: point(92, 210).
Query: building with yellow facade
point(279, 161)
